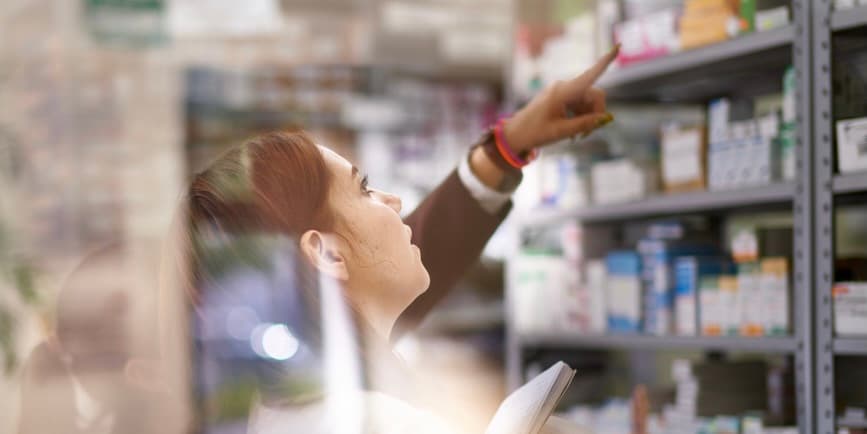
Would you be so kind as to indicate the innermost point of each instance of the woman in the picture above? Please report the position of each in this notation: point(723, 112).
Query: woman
point(391, 271)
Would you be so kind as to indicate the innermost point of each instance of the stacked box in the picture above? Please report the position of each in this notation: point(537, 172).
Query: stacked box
point(624, 291)
point(657, 260)
point(622, 180)
point(730, 306)
point(683, 159)
point(689, 271)
point(705, 391)
point(852, 145)
point(743, 153)
point(710, 317)
point(538, 291)
point(788, 129)
point(750, 306)
point(596, 288)
point(774, 284)
point(850, 308)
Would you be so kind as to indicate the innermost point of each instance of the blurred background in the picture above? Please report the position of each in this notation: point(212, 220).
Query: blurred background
point(702, 262)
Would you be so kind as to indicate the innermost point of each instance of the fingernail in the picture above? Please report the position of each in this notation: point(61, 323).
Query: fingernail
point(616, 49)
point(606, 119)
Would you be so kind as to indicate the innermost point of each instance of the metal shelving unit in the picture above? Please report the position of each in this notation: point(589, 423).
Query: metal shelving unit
point(849, 18)
point(733, 66)
point(850, 183)
point(804, 219)
point(668, 78)
point(851, 346)
point(852, 423)
point(784, 345)
point(704, 201)
point(830, 191)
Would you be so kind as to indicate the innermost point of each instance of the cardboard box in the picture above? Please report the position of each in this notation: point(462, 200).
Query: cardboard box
point(684, 157)
point(850, 308)
point(647, 37)
point(852, 145)
point(622, 180)
point(776, 294)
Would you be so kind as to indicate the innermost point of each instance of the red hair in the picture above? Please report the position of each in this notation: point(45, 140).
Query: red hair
point(276, 182)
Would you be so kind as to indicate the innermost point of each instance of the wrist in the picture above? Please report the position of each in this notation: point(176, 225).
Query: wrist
point(514, 139)
point(491, 174)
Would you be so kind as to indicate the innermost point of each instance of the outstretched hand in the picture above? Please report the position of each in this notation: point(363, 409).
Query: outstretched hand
point(564, 109)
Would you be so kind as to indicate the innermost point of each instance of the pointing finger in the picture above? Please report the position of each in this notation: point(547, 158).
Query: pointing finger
point(590, 76)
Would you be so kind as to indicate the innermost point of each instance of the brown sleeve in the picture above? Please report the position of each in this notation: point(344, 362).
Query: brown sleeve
point(451, 229)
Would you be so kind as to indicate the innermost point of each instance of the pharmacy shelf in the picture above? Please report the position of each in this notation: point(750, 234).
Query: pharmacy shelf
point(700, 73)
point(850, 346)
point(724, 343)
point(851, 183)
point(774, 194)
point(851, 423)
point(851, 18)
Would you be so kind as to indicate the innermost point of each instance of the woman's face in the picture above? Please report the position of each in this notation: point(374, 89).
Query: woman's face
point(381, 260)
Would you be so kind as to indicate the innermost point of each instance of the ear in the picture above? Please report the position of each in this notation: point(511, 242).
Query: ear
point(322, 250)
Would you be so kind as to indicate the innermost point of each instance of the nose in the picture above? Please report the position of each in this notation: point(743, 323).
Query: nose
point(393, 201)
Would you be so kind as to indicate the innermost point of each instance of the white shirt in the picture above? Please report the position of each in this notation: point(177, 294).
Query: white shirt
point(491, 200)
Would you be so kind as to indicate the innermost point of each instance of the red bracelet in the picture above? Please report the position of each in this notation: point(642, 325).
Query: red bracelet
point(506, 152)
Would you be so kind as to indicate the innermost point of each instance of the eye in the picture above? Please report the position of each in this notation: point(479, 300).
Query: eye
point(364, 187)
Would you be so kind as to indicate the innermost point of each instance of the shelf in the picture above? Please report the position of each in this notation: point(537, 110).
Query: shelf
point(851, 346)
point(672, 204)
point(849, 18)
point(851, 423)
point(850, 183)
point(705, 72)
point(567, 340)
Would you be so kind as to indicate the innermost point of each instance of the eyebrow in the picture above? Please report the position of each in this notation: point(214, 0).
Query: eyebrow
point(354, 172)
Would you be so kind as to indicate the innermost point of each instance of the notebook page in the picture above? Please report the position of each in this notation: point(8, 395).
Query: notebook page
point(526, 409)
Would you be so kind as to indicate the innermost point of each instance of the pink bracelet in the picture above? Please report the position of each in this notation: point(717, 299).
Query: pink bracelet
point(506, 151)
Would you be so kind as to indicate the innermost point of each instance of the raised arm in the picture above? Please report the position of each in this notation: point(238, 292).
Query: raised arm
point(453, 224)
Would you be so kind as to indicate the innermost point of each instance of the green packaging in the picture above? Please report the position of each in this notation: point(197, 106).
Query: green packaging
point(748, 14)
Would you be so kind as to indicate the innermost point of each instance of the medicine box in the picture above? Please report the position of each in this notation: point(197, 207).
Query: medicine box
point(775, 288)
point(852, 145)
point(647, 37)
point(850, 308)
point(750, 312)
point(688, 272)
point(621, 180)
point(710, 311)
point(538, 291)
point(683, 159)
point(624, 291)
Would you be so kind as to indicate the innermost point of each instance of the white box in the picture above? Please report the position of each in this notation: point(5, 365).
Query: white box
point(620, 181)
point(718, 120)
point(683, 158)
point(596, 275)
point(772, 18)
point(850, 308)
point(538, 291)
point(721, 167)
point(774, 283)
point(852, 145)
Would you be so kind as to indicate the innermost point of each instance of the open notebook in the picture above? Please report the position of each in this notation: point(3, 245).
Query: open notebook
point(526, 409)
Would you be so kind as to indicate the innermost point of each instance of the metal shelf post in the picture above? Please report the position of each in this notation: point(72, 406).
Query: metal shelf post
point(803, 55)
point(823, 278)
